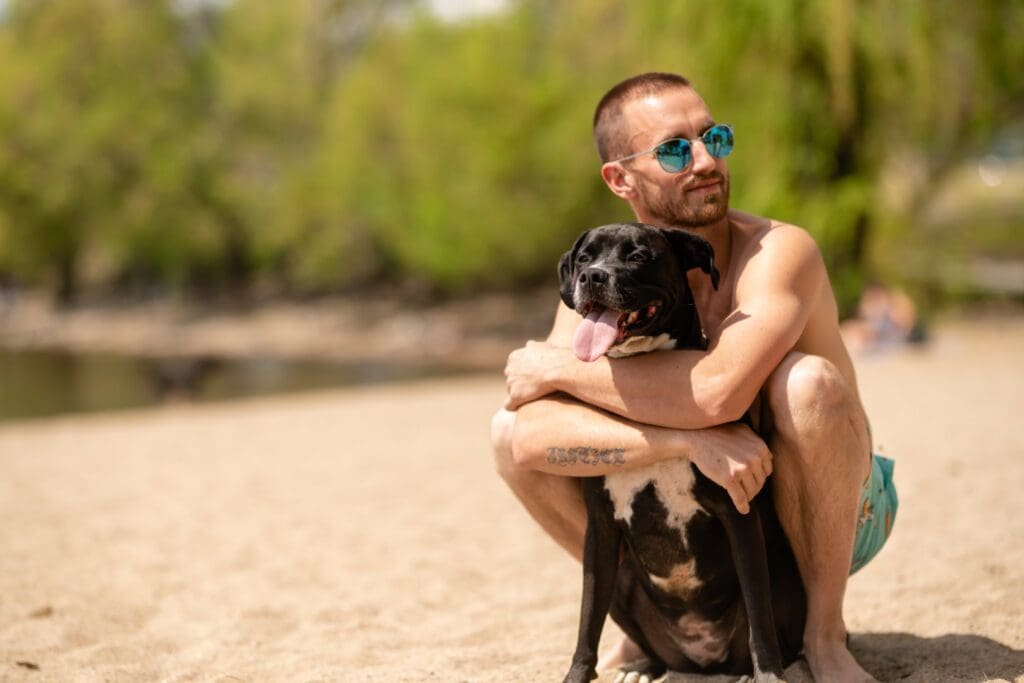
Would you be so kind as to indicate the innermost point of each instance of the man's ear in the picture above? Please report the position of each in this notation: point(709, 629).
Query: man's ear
point(693, 252)
point(618, 180)
point(566, 272)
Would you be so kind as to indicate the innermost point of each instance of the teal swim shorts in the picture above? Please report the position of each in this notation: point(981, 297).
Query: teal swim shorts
point(876, 512)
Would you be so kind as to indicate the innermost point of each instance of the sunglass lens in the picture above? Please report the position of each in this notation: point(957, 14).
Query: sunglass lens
point(719, 141)
point(674, 155)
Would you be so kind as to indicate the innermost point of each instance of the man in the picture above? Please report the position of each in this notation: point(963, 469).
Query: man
point(774, 342)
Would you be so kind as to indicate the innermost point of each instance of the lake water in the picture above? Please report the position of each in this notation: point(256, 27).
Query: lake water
point(39, 383)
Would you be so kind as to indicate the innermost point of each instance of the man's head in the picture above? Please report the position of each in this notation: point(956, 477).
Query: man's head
point(637, 115)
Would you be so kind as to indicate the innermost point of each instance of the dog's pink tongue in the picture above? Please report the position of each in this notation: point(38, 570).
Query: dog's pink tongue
point(595, 335)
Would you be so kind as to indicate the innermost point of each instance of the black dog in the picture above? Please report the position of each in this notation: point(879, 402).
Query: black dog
point(702, 588)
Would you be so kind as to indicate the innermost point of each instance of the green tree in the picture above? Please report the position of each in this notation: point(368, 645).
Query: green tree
point(448, 148)
point(451, 149)
point(99, 105)
point(274, 65)
point(325, 144)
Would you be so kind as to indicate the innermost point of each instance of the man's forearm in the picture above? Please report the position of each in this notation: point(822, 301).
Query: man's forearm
point(559, 435)
point(665, 389)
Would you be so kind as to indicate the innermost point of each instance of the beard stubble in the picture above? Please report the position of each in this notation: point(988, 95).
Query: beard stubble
point(680, 211)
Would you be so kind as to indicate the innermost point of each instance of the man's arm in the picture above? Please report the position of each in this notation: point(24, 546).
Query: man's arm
point(687, 389)
point(559, 435)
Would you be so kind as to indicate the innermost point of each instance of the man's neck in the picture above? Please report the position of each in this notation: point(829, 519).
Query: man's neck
point(719, 234)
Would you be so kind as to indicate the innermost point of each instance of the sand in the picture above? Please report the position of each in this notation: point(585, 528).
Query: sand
point(360, 535)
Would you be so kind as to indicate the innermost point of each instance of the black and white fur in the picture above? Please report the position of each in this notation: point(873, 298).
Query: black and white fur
point(700, 588)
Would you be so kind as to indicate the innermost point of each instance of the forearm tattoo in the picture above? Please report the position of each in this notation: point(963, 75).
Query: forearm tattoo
point(586, 455)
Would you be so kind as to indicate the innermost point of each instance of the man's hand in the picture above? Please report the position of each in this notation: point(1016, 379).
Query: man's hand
point(735, 458)
point(530, 370)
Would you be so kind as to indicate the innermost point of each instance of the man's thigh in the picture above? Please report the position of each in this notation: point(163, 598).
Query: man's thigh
point(554, 501)
point(807, 399)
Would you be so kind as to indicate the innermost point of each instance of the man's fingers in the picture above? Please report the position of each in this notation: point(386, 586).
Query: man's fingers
point(761, 474)
point(739, 498)
point(750, 485)
point(760, 468)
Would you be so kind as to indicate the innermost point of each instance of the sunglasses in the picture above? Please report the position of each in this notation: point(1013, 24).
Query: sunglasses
point(676, 155)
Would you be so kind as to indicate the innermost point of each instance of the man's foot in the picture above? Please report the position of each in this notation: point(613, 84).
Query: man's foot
point(619, 654)
point(641, 671)
point(832, 663)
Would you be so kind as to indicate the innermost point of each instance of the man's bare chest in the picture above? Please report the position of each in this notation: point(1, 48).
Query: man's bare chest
point(714, 309)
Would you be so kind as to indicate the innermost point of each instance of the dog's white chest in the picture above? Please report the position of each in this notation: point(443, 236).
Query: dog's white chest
point(634, 345)
point(673, 482)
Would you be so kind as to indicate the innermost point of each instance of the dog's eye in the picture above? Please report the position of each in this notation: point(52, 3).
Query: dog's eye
point(637, 257)
point(583, 258)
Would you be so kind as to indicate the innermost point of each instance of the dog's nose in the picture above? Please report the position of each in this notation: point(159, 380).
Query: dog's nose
point(593, 276)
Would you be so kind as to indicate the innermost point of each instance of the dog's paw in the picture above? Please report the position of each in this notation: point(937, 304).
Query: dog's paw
point(580, 673)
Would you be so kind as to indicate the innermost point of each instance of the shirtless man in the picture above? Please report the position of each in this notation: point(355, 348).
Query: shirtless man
point(773, 334)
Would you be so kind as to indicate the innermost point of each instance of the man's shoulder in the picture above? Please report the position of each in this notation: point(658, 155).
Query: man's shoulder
point(766, 236)
point(775, 251)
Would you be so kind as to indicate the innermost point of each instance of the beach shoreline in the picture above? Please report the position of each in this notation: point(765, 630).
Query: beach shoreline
point(472, 332)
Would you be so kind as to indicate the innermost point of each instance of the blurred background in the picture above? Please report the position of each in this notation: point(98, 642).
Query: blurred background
point(212, 198)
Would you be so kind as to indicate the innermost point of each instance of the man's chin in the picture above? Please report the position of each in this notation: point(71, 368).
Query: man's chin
point(696, 214)
point(704, 217)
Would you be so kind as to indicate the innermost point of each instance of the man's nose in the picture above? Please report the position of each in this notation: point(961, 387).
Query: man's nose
point(702, 161)
point(593, 276)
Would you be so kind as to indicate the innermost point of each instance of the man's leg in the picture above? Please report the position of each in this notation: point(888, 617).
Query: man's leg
point(821, 457)
point(555, 502)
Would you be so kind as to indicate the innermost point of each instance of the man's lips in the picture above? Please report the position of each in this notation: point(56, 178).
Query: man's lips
point(709, 184)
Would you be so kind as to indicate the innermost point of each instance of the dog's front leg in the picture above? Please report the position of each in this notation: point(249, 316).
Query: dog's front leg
point(600, 565)
point(746, 540)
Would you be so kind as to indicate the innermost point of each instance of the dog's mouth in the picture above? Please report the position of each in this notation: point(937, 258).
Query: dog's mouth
point(602, 328)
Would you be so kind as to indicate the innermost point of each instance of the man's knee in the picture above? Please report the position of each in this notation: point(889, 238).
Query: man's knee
point(502, 426)
point(809, 396)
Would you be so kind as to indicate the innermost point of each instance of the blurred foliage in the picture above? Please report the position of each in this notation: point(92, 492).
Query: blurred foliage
point(154, 145)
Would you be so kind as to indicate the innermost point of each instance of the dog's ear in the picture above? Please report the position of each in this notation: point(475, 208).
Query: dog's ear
point(693, 252)
point(566, 277)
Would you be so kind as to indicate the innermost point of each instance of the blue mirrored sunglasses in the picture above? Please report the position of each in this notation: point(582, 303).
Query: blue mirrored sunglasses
point(676, 155)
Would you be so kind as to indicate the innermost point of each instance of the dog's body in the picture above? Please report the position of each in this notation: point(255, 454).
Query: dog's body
point(701, 587)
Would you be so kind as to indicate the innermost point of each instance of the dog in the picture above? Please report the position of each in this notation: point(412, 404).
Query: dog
point(697, 586)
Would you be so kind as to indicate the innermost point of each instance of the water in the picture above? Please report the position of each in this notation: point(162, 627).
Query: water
point(40, 383)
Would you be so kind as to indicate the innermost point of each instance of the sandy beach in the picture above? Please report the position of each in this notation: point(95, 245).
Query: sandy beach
point(362, 535)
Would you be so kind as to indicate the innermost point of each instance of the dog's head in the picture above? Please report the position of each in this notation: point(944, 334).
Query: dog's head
point(629, 280)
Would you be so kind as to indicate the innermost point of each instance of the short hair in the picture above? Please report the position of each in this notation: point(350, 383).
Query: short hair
point(611, 143)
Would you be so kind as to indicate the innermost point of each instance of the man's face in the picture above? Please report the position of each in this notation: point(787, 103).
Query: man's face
point(698, 195)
